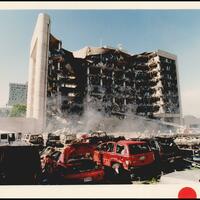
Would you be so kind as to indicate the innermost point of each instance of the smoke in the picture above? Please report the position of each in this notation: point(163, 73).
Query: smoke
point(93, 120)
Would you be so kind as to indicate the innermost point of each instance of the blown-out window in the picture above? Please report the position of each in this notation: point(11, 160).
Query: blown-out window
point(120, 149)
point(110, 147)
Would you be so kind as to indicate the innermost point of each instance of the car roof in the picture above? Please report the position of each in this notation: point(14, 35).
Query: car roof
point(35, 134)
point(130, 142)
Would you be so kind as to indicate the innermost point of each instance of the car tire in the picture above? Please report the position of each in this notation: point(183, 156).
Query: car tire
point(40, 141)
point(117, 168)
point(121, 175)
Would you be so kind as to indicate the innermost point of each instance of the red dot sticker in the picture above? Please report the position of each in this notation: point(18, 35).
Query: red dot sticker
point(187, 193)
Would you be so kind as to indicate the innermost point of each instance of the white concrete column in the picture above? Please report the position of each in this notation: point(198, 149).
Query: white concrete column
point(37, 85)
point(30, 91)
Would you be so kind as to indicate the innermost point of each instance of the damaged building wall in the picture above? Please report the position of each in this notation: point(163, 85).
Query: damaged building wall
point(171, 87)
point(157, 86)
point(66, 83)
point(113, 82)
point(100, 78)
point(109, 80)
point(147, 84)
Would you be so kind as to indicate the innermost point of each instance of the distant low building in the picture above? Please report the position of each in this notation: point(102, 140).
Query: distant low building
point(192, 122)
point(17, 94)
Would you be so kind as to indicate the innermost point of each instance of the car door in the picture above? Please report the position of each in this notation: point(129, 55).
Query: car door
point(121, 153)
point(108, 153)
point(98, 153)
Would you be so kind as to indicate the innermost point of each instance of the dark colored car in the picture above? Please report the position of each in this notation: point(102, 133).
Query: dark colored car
point(164, 148)
point(49, 158)
point(20, 165)
point(54, 141)
point(196, 156)
point(169, 150)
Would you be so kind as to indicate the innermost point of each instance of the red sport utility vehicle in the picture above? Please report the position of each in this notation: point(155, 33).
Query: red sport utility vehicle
point(124, 155)
point(73, 164)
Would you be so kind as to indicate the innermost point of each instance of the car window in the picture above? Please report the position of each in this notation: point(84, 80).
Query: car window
point(110, 147)
point(54, 137)
point(138, 148)
point(55, 155)
point(120, 149)
point(104, 147)
point(12, 137)
point(153, 145)
point(167, 144)
point(4, 136)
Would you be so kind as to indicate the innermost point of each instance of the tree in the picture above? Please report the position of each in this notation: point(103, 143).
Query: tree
point(18, 110)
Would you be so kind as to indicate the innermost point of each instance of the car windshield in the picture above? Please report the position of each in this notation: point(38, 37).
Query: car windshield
point(138, 148)
point(167, 144)
point(70, 137)
point(54, 137)
point(34, 137)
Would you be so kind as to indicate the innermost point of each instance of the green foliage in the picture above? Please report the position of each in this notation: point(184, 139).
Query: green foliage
point(153, 180)
point(18, 110)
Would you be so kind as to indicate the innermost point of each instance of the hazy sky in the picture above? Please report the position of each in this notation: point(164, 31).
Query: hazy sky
point(176, 31)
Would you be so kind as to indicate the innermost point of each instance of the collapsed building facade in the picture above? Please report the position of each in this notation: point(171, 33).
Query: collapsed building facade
point(106, 79)
point(157, 86)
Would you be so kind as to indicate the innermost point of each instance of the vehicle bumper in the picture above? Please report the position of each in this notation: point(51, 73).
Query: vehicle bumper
point(93, 176)
point(172, 159)
point(144, 171)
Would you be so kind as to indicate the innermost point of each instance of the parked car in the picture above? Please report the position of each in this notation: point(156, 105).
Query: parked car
point(7, 137)
point(69, 138)
point(196, 156)
point(19, 165)
point(36, 139)
point(72, 165)
point(125, 156)
point(82, 170)
point(164, 148)
point(54, 140)
point(169, 150)
point(49, 158)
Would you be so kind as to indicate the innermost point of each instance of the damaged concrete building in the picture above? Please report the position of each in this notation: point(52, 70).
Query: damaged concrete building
point(114, 82)
point(107, 79)
point(157, 86)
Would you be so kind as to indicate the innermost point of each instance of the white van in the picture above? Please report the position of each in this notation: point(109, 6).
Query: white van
point(7, 137)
